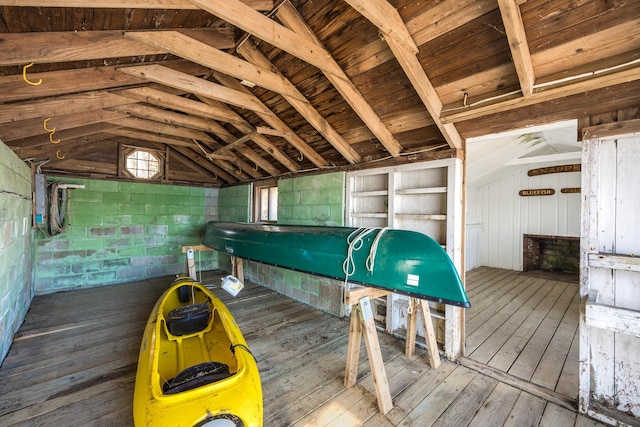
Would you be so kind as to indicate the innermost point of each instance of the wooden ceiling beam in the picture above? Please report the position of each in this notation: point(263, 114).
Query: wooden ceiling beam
point(561, 90)
point(74, 148)
point(197, 122)
point(263, 5)
point(245, 151)
point(163, 129)
point(165, 116)
point(409, 63)
point(52, 107)
point(289, 16)
point(145, 135)
point(260, 140)
point(517, 37)
point(178, 103)
point(240, 15)
point(52, 47)
point(36, 127)
point(185, 156)
point(77, 165)
point(207, 164)
point(443, 17)
point(189, 83)
point(65, 82)
point(198, 172)
point(249, 51)
point(275, 122)
point(614, 45)
point(427, 24)
point(201, 53)
point(36, 145)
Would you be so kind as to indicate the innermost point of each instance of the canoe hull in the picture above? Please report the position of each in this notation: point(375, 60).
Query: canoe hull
point(405, 262)
point(235, 395)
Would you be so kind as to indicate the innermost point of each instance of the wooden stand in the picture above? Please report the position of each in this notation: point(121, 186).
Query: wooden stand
point(236, 263)
point(237, 269)
point(362, 322)
point(190, 263)
point(419, 305)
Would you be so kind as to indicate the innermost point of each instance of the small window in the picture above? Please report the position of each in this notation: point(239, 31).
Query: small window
point(266, 202)
point(143, 163)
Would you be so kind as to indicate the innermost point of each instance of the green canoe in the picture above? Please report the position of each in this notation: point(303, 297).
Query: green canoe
point(401, 261)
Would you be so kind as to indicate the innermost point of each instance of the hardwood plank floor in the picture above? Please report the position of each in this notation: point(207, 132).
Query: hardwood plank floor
point(73, 360)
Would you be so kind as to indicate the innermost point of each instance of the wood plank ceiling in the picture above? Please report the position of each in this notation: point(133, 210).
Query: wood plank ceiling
point(232, 91)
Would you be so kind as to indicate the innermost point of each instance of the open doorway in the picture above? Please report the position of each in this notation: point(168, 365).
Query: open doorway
point(523, 194)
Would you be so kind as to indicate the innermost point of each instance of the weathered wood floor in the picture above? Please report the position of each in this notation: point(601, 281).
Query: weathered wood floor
point(73, 361)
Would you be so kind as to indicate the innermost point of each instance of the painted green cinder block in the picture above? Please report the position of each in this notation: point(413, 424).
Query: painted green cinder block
point(115, 223)
point(82, 198)
point(101, 186)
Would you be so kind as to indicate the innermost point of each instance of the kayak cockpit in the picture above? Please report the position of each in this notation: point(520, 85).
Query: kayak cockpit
point(194, 348)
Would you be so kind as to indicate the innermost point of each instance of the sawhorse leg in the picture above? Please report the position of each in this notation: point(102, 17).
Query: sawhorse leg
point(422, 306)
point(362, 322)
point(237, 269)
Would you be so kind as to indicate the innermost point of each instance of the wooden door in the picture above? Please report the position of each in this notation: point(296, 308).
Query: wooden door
point(610, 279)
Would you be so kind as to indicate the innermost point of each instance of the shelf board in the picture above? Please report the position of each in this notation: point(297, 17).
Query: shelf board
point(423, 190)
point(370, 193)
point(369, 214)
point(432, 217)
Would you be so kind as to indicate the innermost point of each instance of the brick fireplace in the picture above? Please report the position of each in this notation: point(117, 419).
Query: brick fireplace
point(551, 253)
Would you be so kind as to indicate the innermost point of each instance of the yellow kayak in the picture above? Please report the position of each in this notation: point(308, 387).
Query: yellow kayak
point(195, 368)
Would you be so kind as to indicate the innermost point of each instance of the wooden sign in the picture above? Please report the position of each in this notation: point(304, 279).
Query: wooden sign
point(570, 190)
point(538, 192)
point(555, 169)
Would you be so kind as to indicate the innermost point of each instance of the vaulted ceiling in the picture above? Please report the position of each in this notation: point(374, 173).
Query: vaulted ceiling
point(231, 91)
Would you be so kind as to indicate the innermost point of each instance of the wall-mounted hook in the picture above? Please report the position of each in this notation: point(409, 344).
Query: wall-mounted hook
point(255, 167)
point(44, 125)
point(24, 76)
point(301, 157)
point(51, 138)
point(58, 155)
point(466, 97)
point(239, 171)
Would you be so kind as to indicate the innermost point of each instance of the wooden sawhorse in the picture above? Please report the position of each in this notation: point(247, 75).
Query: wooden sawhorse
point(362, 323)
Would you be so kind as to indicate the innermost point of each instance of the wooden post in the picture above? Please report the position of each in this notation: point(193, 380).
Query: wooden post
point(353, 349)
point(237, 269)
point(190, 262)
point(191, 265)
point(362, 321)
point(422, 307)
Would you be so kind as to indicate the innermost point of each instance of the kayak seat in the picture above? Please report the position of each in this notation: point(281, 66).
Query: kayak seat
point(188, 319)
point(196, 376)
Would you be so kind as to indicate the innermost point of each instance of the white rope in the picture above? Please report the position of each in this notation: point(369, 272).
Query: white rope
point(371, 259)
point(355, 240)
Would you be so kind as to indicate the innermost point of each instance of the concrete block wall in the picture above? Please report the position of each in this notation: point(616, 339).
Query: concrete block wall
point(319, 292)
point(211, 197)
point(312, 200)
point(234, 203)
point(121, 232)
point(16, 246)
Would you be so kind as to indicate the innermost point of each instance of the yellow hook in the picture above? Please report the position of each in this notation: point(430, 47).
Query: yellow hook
point(45, 125)
point(58, 155)
point(301, 157)
point(51, 138)
point(24, 76)
point(256, 168)
point(239, 171)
